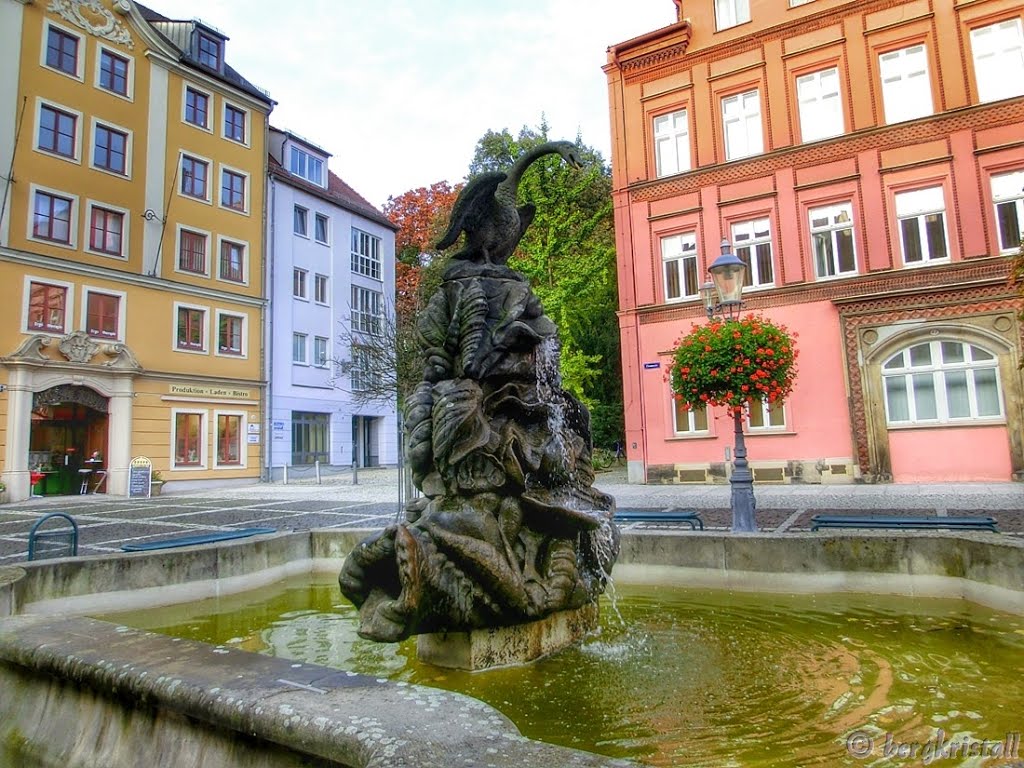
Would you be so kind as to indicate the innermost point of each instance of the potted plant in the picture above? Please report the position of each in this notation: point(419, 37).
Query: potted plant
point(156, 482)
point(3, 492)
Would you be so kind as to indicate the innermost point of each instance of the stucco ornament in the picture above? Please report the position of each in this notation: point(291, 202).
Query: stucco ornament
point(94, 18)
point(509, 528)
point(78, 347)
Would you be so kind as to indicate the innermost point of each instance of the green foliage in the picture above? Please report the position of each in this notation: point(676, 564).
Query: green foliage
point(1017, 279)
point(568, 255)
point(733, 362)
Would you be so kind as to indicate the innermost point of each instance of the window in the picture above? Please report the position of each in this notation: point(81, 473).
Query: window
point(191, 328)
point(832, 240)
point(188, 446)
point(299, 348)
point(305, 165)
point(795, 3)
point(363, 376)
point(679, 254)
point(1008, 195)
point(366, 310)
point(906, 88)
point(939, 382)
point(62, 51)
point(229, 334)
point(741, 116)
point(299, 283)
point(999, 59)
point(106, 228)
point(762, 416)
point(300, 221)
point(193, 177)
point(232, 190)
point(729, 13)
point(52, 218)
point(753, 243)
point(208, 50)
point(57, 131)
point(234, 123)
point(102, 315)
point(320, 230)
point(110, 148)
point(821, 109)
point(671, 143)
point(197, 108)
point(319, 351)
point(113, 72)
point(232, 261)
point(229, 439)
point(192, 252)
point(365, 254)
point(46, 307)
point(310, 437)
point(689, 421)
point(320, 289)
point(921, 216)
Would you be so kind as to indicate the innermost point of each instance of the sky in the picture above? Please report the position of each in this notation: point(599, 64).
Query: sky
point(400, 91)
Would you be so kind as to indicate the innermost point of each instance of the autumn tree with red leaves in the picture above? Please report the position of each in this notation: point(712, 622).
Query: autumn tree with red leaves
point(421, 215)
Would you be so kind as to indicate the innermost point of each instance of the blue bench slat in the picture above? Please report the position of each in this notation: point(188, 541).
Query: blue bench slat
point(202, 538)
point(690, 516)
point(892, 521)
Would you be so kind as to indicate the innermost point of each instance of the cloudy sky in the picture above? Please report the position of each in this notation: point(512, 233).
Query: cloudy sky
point(399, 91)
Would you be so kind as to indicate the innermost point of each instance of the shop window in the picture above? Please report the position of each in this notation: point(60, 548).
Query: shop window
point(47, 307)
point(229, 439)
point(102, 315)
point(188, 439)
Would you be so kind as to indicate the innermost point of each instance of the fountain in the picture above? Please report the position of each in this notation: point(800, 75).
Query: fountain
point(504, 556)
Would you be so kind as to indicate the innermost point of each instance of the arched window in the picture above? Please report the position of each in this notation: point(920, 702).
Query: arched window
point(939, 382)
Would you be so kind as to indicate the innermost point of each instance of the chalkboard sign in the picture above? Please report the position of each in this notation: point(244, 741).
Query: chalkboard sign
point(140, 474)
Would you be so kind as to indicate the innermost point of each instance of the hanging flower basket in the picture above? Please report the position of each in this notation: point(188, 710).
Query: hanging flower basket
point(733, 362)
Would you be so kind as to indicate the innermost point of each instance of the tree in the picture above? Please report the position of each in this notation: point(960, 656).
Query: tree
point(1017, 279)
point(568, 255)
point(421, 215)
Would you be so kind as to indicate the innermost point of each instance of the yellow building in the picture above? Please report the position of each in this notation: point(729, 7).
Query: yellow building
point(132, 167)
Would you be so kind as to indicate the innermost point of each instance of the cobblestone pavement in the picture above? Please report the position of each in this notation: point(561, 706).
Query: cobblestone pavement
point(106, 523)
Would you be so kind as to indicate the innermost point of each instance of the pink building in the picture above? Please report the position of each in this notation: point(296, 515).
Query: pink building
point(866, 159)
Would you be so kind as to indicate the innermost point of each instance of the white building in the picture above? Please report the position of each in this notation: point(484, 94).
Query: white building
point(330, 263)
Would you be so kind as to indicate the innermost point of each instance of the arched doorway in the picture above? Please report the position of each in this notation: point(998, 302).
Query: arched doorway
point(68, 438)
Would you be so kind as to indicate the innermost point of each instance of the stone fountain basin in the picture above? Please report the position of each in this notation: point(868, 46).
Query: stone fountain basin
point(81, 692)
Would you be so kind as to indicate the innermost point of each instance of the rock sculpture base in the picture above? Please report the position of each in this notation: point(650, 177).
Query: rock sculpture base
point(507, 646)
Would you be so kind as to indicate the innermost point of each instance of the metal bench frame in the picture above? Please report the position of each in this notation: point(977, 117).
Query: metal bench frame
point(689, 516)
point(201, 538)
point(887, 522)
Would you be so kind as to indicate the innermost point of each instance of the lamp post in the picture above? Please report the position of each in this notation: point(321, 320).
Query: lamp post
point(727, 273)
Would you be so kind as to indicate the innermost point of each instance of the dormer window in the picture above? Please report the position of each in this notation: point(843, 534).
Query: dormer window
point(306, 166)
point(208, 50)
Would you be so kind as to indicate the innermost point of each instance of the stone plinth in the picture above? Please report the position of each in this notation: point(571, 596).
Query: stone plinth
point(505, 646)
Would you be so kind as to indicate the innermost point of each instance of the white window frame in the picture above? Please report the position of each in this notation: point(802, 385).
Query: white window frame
point(211, 177)
point(243, 353)
point(129, 77)
point(122, 310)
point(72, 220)
point(820, 105)
point(303, 345)
point(321, 343)
point(678, 257)
point(324, 280)
point(937, 368)
point(363, 262)
point(367, 311)
point(246, 189)
point(1008, 190)
point(303, 283)
point(731, 13)
point(833, 213)
point(204, 439)
point(294, 151)
point(745, 237)
point(906, 83)
point(128, 147)
point(742, 127)
point(125, 229)
point(920, 204)
point(317, 217)
point(305, 220)
point(767, 411)
point(245, 259)
point(79, 52)
point(243, 430)
point(210, 106)
point(691, 428)
point(178, 305)
point(76, 156)
point(671, 133)
point(177, 250)
point(69, 304)
point(998, 54)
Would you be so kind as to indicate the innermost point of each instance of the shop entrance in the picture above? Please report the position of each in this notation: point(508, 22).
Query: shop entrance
point(68, 440)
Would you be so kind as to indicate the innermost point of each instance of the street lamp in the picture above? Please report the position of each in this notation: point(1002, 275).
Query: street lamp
point(728, 273)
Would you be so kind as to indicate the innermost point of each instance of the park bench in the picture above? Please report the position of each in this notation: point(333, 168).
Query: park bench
point(54, 542)
point(689, 516)
point(890, 522)
point(200, 538)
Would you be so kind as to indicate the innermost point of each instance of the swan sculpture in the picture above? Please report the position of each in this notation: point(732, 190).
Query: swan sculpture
point(486, 208)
